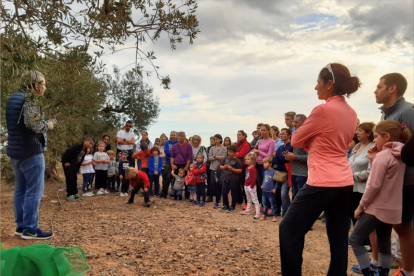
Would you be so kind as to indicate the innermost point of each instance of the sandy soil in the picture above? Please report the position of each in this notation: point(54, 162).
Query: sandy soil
point(169, 238)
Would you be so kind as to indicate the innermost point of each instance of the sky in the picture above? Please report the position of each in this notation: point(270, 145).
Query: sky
point(253, 61)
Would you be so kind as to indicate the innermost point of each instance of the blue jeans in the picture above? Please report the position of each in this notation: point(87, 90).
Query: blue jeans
point(139, 163)
point(87, 182)
point(30, 185)
point(285, 197)
point(269, 201)
point(297, 184)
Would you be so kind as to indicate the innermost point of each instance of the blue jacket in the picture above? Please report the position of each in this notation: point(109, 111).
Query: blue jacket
point(280, 160)
point(151, 167)
point(22, 142)
point(167, 150)
point(268, 183)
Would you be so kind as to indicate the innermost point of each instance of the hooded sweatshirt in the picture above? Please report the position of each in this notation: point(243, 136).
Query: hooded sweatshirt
point(383, 193)
point(243, 148)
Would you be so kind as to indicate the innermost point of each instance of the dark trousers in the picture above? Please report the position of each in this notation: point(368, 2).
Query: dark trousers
point(259, 181)
point(211, 190)
point(241, 194)
point(219, 188)
point(176, 194)
point(201, 191)
point(118, 183)
point(230, 185)
point(155, 184)
point(279, 200)
point(166, 180)
point(111, 183)
point(356, 198)
point(208, 172)
point(135, 190)
point(145, 170)
point(101, 179)
point(303, 212)
point(297, 184)
point(71, 178)
point(124, 185)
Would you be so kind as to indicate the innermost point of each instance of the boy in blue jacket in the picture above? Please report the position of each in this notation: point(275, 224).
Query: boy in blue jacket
point(154, 171)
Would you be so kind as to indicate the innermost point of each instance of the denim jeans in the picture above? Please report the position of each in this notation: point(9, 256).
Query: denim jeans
point(30, 185)
point(139, 163)
point(87, 182)
point(297, 184)
point(269, 201)
point(285, 197)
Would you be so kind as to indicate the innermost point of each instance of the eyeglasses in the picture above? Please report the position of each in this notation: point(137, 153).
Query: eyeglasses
point(331, 71)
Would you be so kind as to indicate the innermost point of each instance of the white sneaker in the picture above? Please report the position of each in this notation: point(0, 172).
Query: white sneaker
point(100, 193)
point(86, 194)
point(106, 192)
point(91, 194)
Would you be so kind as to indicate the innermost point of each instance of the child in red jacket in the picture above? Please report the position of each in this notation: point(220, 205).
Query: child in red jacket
point(199, 172)
point(190, 183)
point(138, 180)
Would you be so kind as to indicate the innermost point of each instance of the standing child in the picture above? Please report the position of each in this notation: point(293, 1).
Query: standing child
point(87, 173)
point(231, 168)
point(138, 180)
point(381, 204)
point(219, 178)
point(144, 156)
point(177, 189)
point(269, 189)
point(123, 165)
point(154, 168)
point(199, 172)
point(102, 160)
point(190, 182)
point(111, 171)
point(118, 180)
point(71, 162)
point(250, 185)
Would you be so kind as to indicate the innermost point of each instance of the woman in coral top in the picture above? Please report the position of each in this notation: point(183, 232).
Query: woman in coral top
point(325, 135)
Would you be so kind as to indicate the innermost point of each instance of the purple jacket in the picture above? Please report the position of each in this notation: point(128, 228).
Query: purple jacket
point(187, 151)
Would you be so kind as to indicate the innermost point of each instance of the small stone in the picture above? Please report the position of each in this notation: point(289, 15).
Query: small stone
point(179, 255)
point(140, 256)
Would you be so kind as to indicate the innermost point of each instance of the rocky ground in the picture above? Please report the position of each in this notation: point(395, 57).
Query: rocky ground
point(168, 238)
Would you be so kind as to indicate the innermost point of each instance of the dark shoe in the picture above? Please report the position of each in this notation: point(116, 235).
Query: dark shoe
point(224, 209)
point(148, 204)
point(231, 210)
point(130, 202)
point(18, 232)
point(210, 199)
point(367, 271)
point(36, 234)
point(382, 271)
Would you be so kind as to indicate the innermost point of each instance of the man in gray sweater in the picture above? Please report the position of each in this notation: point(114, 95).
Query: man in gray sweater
point(298, 160)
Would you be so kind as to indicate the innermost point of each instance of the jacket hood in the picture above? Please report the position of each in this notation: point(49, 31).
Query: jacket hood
point(394, 147)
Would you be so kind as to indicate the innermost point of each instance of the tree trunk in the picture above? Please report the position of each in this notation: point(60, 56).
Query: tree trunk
point(51, 172)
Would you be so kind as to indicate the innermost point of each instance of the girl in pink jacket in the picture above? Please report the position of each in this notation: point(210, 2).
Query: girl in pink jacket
point(381, 204)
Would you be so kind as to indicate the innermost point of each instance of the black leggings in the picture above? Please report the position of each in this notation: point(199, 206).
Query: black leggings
point(136, 190)
point(241, 194)
point(201, 191)
point(219, 188)
point(230, 185)
point(125, 185)
point(356, 198)
point(303, 212)
point(101, 179)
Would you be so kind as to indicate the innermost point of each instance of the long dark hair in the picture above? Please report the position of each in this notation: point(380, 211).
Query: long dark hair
point(345, 84)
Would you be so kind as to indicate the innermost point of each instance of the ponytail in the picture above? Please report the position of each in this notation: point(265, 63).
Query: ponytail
point(398, 132)
point(405, 135)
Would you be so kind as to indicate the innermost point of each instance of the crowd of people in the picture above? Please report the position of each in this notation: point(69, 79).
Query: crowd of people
point(328, 162)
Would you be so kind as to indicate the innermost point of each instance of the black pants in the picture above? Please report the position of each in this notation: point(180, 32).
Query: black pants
point(145, 170)
point(212, 185)
point(219, 188)
point(135, 190)
point(71, 178)
point(201, 191)
point(302, 214)
point(230, 185)
point(259, 181)
point(241, 194)
point(125, 185)
point(118, 183)
point(155, 184)
point(279, 200)
point(356, 198)
point(111, 183)
point(166, 180)
point(208, 172)
point(101, 179)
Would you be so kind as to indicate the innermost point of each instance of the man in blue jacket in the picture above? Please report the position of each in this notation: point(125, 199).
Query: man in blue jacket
point(167, 177)
point(26, 144)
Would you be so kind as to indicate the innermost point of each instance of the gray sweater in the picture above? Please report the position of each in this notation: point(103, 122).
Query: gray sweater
point(221, 153)
point(360, 167)
point(300, 164)
point(402, 112)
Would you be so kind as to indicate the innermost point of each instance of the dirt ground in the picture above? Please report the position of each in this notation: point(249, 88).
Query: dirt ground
point(168, 238)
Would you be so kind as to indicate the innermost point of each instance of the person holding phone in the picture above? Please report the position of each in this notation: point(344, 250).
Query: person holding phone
point(280, 161)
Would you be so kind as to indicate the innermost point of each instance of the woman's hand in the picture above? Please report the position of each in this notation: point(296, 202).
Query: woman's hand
point(274, 154)
point(256, 151)
point(372, 152)
point(358, 212)
point(290, 156)
point(67, 164)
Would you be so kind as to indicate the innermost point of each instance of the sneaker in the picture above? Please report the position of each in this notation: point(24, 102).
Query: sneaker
point(399, 273)
point(106, 192)
point(86, 194)
point(263, 217)
point(129, 202)
point(77, 196)
point(71, 198)
point(245, 207)
point(147, 204)
point(100, 192)
point(224, 209)
point(257, 216)
point(274, 219)
point(202, 204)
point(18, 232)
point(196, 203)
point(245, 213)
point(231, 210)
point(159, 196)
point(36, 234)
point(357, 269)
point(216, 206)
